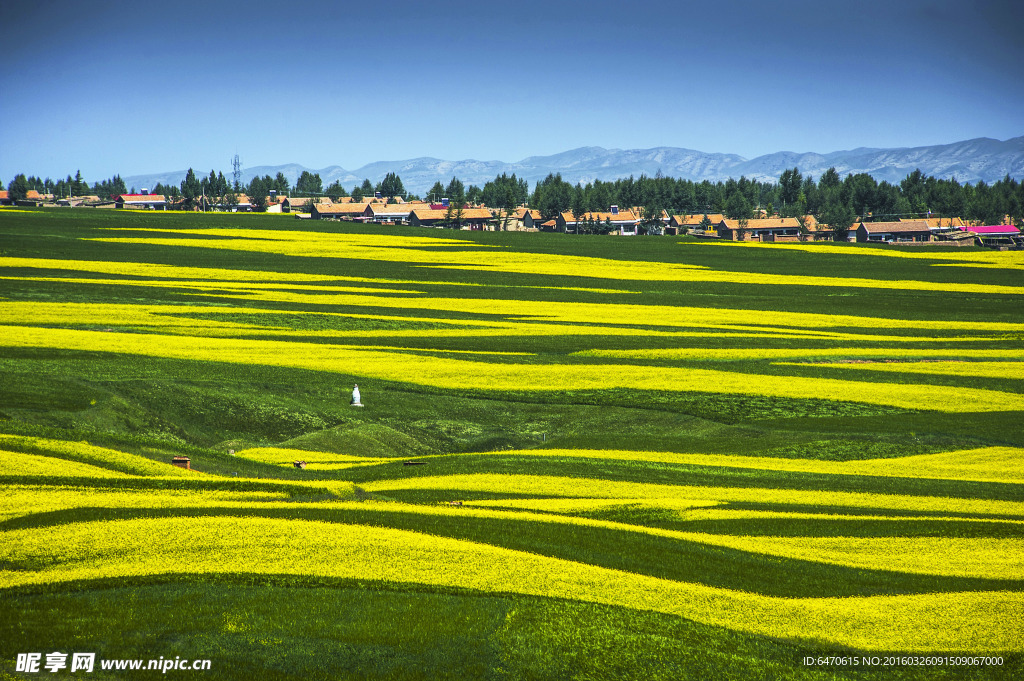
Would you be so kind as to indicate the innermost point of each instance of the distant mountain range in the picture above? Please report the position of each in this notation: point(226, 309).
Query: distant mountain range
point(975, 160)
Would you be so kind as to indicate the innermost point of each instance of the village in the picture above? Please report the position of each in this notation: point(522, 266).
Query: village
point(616, 221)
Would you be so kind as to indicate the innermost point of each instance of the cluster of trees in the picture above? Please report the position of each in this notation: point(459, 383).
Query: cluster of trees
point(19, 187)
point(832, 200)
point(308, 184)
point(390, 187)
point(216, 190)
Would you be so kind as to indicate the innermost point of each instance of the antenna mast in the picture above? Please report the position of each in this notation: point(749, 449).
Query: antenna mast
point(236, 165)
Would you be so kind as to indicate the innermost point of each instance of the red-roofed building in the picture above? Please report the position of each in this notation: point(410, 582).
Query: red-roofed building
point(996, 235)
point(993, 230)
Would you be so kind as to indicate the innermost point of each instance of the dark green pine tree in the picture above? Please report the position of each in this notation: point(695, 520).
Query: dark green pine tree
point(17, 190)
point(191, 189)
point(391, 186)
point(436, 193)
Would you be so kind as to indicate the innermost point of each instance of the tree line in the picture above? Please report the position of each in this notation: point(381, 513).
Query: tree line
point(831, 199)
point(20, 186)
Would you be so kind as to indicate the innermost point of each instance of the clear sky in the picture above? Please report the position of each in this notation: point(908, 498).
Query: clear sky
point(131, 88)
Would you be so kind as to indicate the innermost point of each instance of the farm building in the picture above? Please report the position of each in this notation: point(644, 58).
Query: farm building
point(471, 218)
point(621, 219)
point(337, 211)
point(397, 213)
point(638, 211)
point(993, 230)
point(141, 201)
point(686, 222)
point(765, 229)
point(936, 224)
point(527, 218)
point(995, 235)
point(300, 204)
point(32, 198)
point(5, 199)
point(889, 232)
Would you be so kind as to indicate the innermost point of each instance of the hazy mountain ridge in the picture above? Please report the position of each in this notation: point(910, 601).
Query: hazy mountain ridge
point(981, 159)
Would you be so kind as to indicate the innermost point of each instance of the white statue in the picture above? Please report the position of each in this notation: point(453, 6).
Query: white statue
point(355, 397)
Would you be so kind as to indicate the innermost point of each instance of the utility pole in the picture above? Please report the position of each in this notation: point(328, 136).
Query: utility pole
point(236, 165)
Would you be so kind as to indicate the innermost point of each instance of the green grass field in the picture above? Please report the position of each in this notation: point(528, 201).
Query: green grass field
point(579, 457)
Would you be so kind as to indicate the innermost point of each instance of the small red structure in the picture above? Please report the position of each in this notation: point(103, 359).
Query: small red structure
point(182, 462)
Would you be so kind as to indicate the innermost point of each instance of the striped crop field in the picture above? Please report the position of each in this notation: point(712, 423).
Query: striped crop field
point(573, 457)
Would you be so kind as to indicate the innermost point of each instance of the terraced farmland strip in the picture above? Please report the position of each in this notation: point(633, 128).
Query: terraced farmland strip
point(968, 621)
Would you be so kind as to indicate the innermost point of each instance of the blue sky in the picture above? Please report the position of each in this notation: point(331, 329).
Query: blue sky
point(131, 88)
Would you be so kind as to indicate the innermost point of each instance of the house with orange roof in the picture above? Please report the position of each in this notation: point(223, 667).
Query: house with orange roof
point(352, 212)
point(300, 204)
point(939, 224)
point(692, 221)
point(243, 203)
point(32, 198)
point(469, 218)
point(639, 212)
point(623, 220)
point(763, 229)
point(274, 204)
point(5, 199)
point(527, 218)
point(394, 213)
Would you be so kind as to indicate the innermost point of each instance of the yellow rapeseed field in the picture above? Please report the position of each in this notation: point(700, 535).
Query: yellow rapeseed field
point(559, 487)
point(949, 258)
point(282, 456)
point(1011, 369)
point(759, 353)
point(157, 275)
point(988, 464)
point(23, 500)
point(983, 622)
point(470, 256)
point(323, 527)
point(19, 463)
point(101, 457)
point(981, 558)
point(465, 373)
